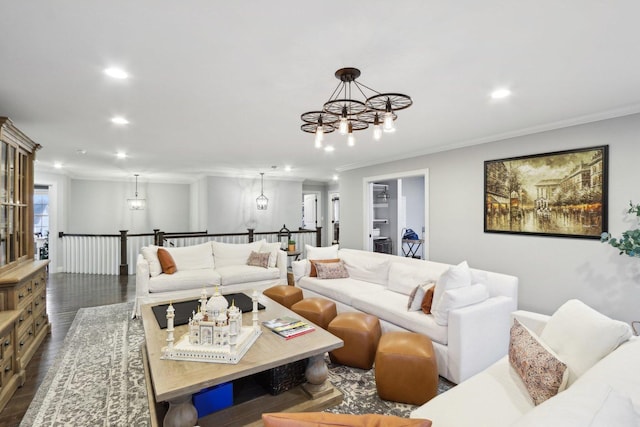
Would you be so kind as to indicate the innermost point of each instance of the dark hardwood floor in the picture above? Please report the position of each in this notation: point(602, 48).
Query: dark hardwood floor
point(66, 293)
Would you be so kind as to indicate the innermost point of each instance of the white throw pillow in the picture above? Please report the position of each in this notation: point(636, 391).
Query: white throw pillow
point(150, 254)
point(458, 298)
point(403, 278)
point(325, 252)
point(226, 254)
point(300, 269)
point(457, 276)
point(273, 249)
point(194, 257)
point(581, 336)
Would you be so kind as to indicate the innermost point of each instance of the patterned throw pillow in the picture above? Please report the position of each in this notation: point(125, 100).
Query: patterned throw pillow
point(259, 259)
point(314, 272)
point(331, 270)
point(543, 374)
point(417, 296)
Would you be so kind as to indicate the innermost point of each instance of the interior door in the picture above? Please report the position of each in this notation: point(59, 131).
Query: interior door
point(310, 211)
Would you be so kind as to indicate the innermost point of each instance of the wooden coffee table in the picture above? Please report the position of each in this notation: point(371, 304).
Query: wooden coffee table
point(176, 381)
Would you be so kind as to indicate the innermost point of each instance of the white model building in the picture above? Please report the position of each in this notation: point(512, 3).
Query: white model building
point(215, 333)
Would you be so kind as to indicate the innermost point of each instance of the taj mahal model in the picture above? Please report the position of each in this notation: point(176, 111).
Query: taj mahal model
point(215, 333)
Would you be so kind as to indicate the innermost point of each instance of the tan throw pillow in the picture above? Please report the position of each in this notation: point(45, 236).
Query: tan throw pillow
point(543, 374)
point(314, 272)
point(259, 259)
point(167, 263)
point(428, 300)
point(417, 295)
point(318, 419)
point(332, 270)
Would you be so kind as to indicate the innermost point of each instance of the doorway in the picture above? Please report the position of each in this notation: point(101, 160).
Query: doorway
point(392, 204)
point(334, 217)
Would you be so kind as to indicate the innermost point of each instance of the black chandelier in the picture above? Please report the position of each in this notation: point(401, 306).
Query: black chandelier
point(346, 114)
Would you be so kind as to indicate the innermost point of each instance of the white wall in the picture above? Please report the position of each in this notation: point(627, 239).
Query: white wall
point(232, 204)
point(100, 207)
point(551, 270)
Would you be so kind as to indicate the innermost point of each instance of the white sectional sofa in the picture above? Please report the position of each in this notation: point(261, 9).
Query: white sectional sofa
point(207, 265)
point(603, 387)
point(471, 336)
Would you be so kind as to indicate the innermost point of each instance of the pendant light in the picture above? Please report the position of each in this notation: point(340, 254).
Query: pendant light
point(261, 200)
point(136, 204)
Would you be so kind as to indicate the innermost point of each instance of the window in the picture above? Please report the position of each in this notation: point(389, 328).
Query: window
point(41, 211)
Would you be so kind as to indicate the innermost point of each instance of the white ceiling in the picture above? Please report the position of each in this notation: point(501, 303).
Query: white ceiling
point(218, 87)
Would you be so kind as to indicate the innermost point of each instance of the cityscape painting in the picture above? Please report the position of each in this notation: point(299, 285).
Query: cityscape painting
point(561, 194)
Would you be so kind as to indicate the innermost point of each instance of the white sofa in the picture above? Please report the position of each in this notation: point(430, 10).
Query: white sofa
point(207, 265)
point(473, 336)
point(606, 393)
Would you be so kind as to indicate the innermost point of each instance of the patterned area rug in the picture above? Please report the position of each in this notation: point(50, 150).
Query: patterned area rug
point(98, 378)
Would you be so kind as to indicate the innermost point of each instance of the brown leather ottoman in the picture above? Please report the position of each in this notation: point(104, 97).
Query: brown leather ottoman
point(284, 294)
point(317, 310)
point(406, 369)
point(360, 333)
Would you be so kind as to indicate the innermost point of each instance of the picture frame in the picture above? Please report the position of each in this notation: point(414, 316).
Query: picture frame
point(557, 194)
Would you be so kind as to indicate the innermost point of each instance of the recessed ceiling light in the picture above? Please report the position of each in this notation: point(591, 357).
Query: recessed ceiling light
point(81, 151)
point(335, 177)
point(500, 93)
point(119, 120)
point(329, 148)
point(57, 165)
point(121, 155)
point(116, 73)
point(287, 168)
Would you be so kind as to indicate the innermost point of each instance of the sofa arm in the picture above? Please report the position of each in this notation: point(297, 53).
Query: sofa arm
point(534, 321)
point(478, 336)
point(281, 263)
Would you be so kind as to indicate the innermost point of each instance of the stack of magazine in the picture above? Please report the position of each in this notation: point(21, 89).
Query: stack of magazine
point(289, 327)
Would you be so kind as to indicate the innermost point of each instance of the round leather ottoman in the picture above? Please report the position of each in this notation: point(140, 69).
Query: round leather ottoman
point(406, 369)
point(317, 310)
point(284, 294)
point(360, 333)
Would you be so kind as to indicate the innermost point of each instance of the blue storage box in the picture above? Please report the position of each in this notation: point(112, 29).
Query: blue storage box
point(213, 399)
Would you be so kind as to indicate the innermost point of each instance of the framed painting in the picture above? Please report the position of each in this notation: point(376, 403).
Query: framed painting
point(561, 194)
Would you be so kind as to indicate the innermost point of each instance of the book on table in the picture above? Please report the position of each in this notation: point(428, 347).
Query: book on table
point(288, 327)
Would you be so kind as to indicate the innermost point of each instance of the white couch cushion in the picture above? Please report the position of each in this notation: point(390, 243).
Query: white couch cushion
point(232, 274)
point(495, 397)
point(392, 307)
point(273, 249)
point(192, 257)
point(150, 254)
point(186, 279)
point(326, 252)
point(581, 336)
point(598, 406)
point(226, 254)
point(366, 268)
point(341, 290)
point(457, 298)
point(404, 278)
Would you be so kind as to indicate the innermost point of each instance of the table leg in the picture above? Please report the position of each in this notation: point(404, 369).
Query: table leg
point(317, 374)
point(181, 413)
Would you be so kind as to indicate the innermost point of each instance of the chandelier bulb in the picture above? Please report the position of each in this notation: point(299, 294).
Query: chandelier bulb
point(388, 122)
point(377, 132)
point(351, 140)
point(319, 137)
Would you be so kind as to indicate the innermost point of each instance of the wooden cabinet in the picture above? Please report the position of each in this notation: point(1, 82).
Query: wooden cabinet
point(23, 316)
point(11, 371)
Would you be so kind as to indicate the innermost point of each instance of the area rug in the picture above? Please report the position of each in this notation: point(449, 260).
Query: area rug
point(98, 377)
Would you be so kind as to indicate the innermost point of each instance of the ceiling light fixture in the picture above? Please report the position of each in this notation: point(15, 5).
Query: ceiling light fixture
point(347, 114)
point(116, 73)
point(500, 93)
point(262, 200)
point(136, 204)
point(121, 155)
point(119, 120)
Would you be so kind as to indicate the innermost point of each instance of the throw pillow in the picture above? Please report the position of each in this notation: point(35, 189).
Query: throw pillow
point(194, 257)
point(320, 419)
point(150, 254)
point(226, 254)
point(166, 261)
point(331, 270)
point(543, 373)
point(258, 259)
point(273, 249)
point(417, 295)
point(581, 336)
point(458, 298)
point(457, 276)
point(427, 300)
point(314, 272)
point(328, 252)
